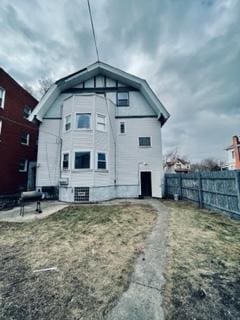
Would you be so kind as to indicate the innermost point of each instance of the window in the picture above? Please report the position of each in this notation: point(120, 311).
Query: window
point(25, 138)
point(144, 141)
point(101, 161)
point(23, 165)
point(68, 122)
point(101, 122)
point(26, 112)
point(65, 161)
point(122, 127)
point(83, 120)
point(2, 97)
point(82, 160)
point(122, 99)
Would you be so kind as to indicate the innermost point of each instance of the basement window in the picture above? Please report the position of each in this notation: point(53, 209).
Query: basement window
point(2, 97)
point(144, 142)
point(23, 165)
point(82, 160)
point(25, 138)
point(122, 99)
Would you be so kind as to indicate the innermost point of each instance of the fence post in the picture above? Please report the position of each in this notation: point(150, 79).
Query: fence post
point(180, 186)
point(165, 186)
point(200, 193)
point(237, 178)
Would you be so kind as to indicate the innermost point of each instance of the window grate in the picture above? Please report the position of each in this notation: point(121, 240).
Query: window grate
point(81, 194)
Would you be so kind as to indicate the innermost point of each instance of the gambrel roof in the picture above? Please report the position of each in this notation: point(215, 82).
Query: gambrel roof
point(99, 68)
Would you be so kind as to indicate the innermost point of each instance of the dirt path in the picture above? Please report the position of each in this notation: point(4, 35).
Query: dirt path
point(143, 299)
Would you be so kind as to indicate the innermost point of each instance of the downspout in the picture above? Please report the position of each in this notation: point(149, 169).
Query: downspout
point(61, 142)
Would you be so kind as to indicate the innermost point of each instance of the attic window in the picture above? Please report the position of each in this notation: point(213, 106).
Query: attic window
point(122, 99)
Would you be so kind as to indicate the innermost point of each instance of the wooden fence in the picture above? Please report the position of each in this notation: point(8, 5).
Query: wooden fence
point(219, 190)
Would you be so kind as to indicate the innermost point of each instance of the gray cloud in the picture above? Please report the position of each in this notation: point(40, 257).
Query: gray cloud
point(189, 51)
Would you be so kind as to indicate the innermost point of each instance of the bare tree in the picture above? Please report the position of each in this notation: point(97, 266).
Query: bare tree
point(208, 164)
point(45, 84)
point(29, 89)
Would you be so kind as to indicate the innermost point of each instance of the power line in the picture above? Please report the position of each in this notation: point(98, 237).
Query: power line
point(93, 30)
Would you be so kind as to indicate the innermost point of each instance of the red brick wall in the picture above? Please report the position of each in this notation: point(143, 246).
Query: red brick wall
point(13, 124)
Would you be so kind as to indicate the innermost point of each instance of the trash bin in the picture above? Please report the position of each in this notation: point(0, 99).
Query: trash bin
point(176, 197)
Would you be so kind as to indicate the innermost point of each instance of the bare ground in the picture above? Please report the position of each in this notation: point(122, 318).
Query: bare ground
point(93, 248)
point(203, 280)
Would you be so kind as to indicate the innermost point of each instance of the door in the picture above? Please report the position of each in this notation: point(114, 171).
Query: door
point(146, 184)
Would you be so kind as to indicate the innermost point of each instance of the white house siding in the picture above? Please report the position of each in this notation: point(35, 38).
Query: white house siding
point(48, 159)
point(124, 162)
point(131, 157)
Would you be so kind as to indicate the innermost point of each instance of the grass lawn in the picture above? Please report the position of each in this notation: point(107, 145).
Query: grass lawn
point(93, 248)
point(203, 274)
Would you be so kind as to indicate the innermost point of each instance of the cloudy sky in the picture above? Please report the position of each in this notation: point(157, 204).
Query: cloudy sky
point(188, 51)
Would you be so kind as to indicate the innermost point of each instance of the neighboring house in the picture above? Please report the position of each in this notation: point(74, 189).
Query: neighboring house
point(233, 155)
point(100, 136)
point(177, 166)
point(18, 137)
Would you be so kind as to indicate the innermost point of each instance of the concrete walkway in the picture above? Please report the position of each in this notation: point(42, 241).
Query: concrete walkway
point(143, 299)
point(48, 208)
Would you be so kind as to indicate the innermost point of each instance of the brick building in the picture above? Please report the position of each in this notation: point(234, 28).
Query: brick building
point(18, 137)
point(233, 160)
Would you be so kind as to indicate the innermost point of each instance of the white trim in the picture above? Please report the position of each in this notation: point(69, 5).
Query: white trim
point(90, 122)
point(145, 146)
point(69, 161)
point(1, 127)
point(3, 97)
point(105, 122)
point(28, 139)
point(64, 126)
point(90, 71)
point(25, 166)
point(73, 159)
point(96, 162)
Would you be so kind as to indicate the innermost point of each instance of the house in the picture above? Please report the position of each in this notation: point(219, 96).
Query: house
point(18, 137)
point(233, 155)
point(100, 136)
point(177, 165)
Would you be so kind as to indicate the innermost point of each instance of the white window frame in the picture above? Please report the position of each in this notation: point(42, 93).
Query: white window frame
point(121, 104)
point(106, 160)
point(25, 165)
point(3, 97)
point(90, 120)
point(65, 122)
point(145, 146)
point(28, 139)
point(66, 152)
point(73, 160)
point(104, 122)
point(124, 123)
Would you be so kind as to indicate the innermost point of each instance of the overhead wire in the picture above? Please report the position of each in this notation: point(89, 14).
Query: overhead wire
point(93, 30)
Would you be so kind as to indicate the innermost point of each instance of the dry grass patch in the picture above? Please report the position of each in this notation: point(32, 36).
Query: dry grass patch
point(93, 248)
point(203, 280)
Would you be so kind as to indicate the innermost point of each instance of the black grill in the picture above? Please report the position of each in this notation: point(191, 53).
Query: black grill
point(81, 194)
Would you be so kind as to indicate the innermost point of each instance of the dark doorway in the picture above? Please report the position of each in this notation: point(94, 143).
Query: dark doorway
point(146, 184)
